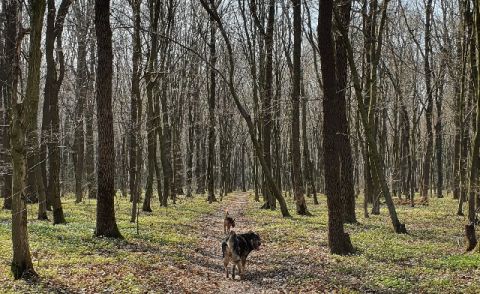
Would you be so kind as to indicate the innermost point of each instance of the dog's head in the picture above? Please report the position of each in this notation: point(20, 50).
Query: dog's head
point(255, 241)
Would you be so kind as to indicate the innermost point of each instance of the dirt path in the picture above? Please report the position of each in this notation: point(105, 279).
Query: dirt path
point(209, 254)
point(269, 270)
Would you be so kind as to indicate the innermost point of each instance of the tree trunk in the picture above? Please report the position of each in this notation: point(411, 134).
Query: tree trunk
point(338, 241)
point(439, 127)
point(89, 138)
point(191, 143)
point(429, 109)
point(9, 79)
point(476, 147)
point(211, 116)
point(464, 107)
point(105, 225)
point(24, 122)
point(90, 150)
point(474, 19)
point(266, 80)
point(297, 180)
point(151, 147)
point(199, 153)
point(348, 190)
point(135, 122)
point(82, 24)
point(53, 81)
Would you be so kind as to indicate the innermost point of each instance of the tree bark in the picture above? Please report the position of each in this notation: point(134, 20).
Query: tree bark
point(211, 115)
point(348, 189)
point(106, 225)
point(429, 109)
point(81, 81)
point(297, 179)
point(24, 122)
point(135, 122)
point(53, 82)
point(475, 165)
point(338, 241)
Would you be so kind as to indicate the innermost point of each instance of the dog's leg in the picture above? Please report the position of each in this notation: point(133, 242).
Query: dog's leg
point(241, 269)
point(233, 271)
point(226, 261)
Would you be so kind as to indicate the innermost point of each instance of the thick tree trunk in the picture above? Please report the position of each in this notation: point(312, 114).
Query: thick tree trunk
point(348, 190)
point(24, 121)
point(22, 266)
point(105, 224)
point(338, 241)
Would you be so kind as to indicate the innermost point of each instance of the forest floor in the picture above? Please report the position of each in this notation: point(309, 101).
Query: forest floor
point(177, 250)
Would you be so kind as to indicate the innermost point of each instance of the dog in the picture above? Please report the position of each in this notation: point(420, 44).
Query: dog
point(228, 223)
point(236, 248)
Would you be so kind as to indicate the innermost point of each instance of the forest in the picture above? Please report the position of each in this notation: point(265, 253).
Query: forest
point(239, 146)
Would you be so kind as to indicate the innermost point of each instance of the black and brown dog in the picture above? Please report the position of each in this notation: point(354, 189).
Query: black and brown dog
point(236, 248)
point(228, 223)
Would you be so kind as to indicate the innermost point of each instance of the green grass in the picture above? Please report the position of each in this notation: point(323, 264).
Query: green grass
point(430, 259)
point(71, 259)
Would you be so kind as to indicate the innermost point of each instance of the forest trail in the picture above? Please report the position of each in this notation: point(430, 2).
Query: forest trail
point(268, 270)
point(208, 256)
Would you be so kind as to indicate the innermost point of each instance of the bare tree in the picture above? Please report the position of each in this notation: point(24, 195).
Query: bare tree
point(53, 82)
point(24, 119)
